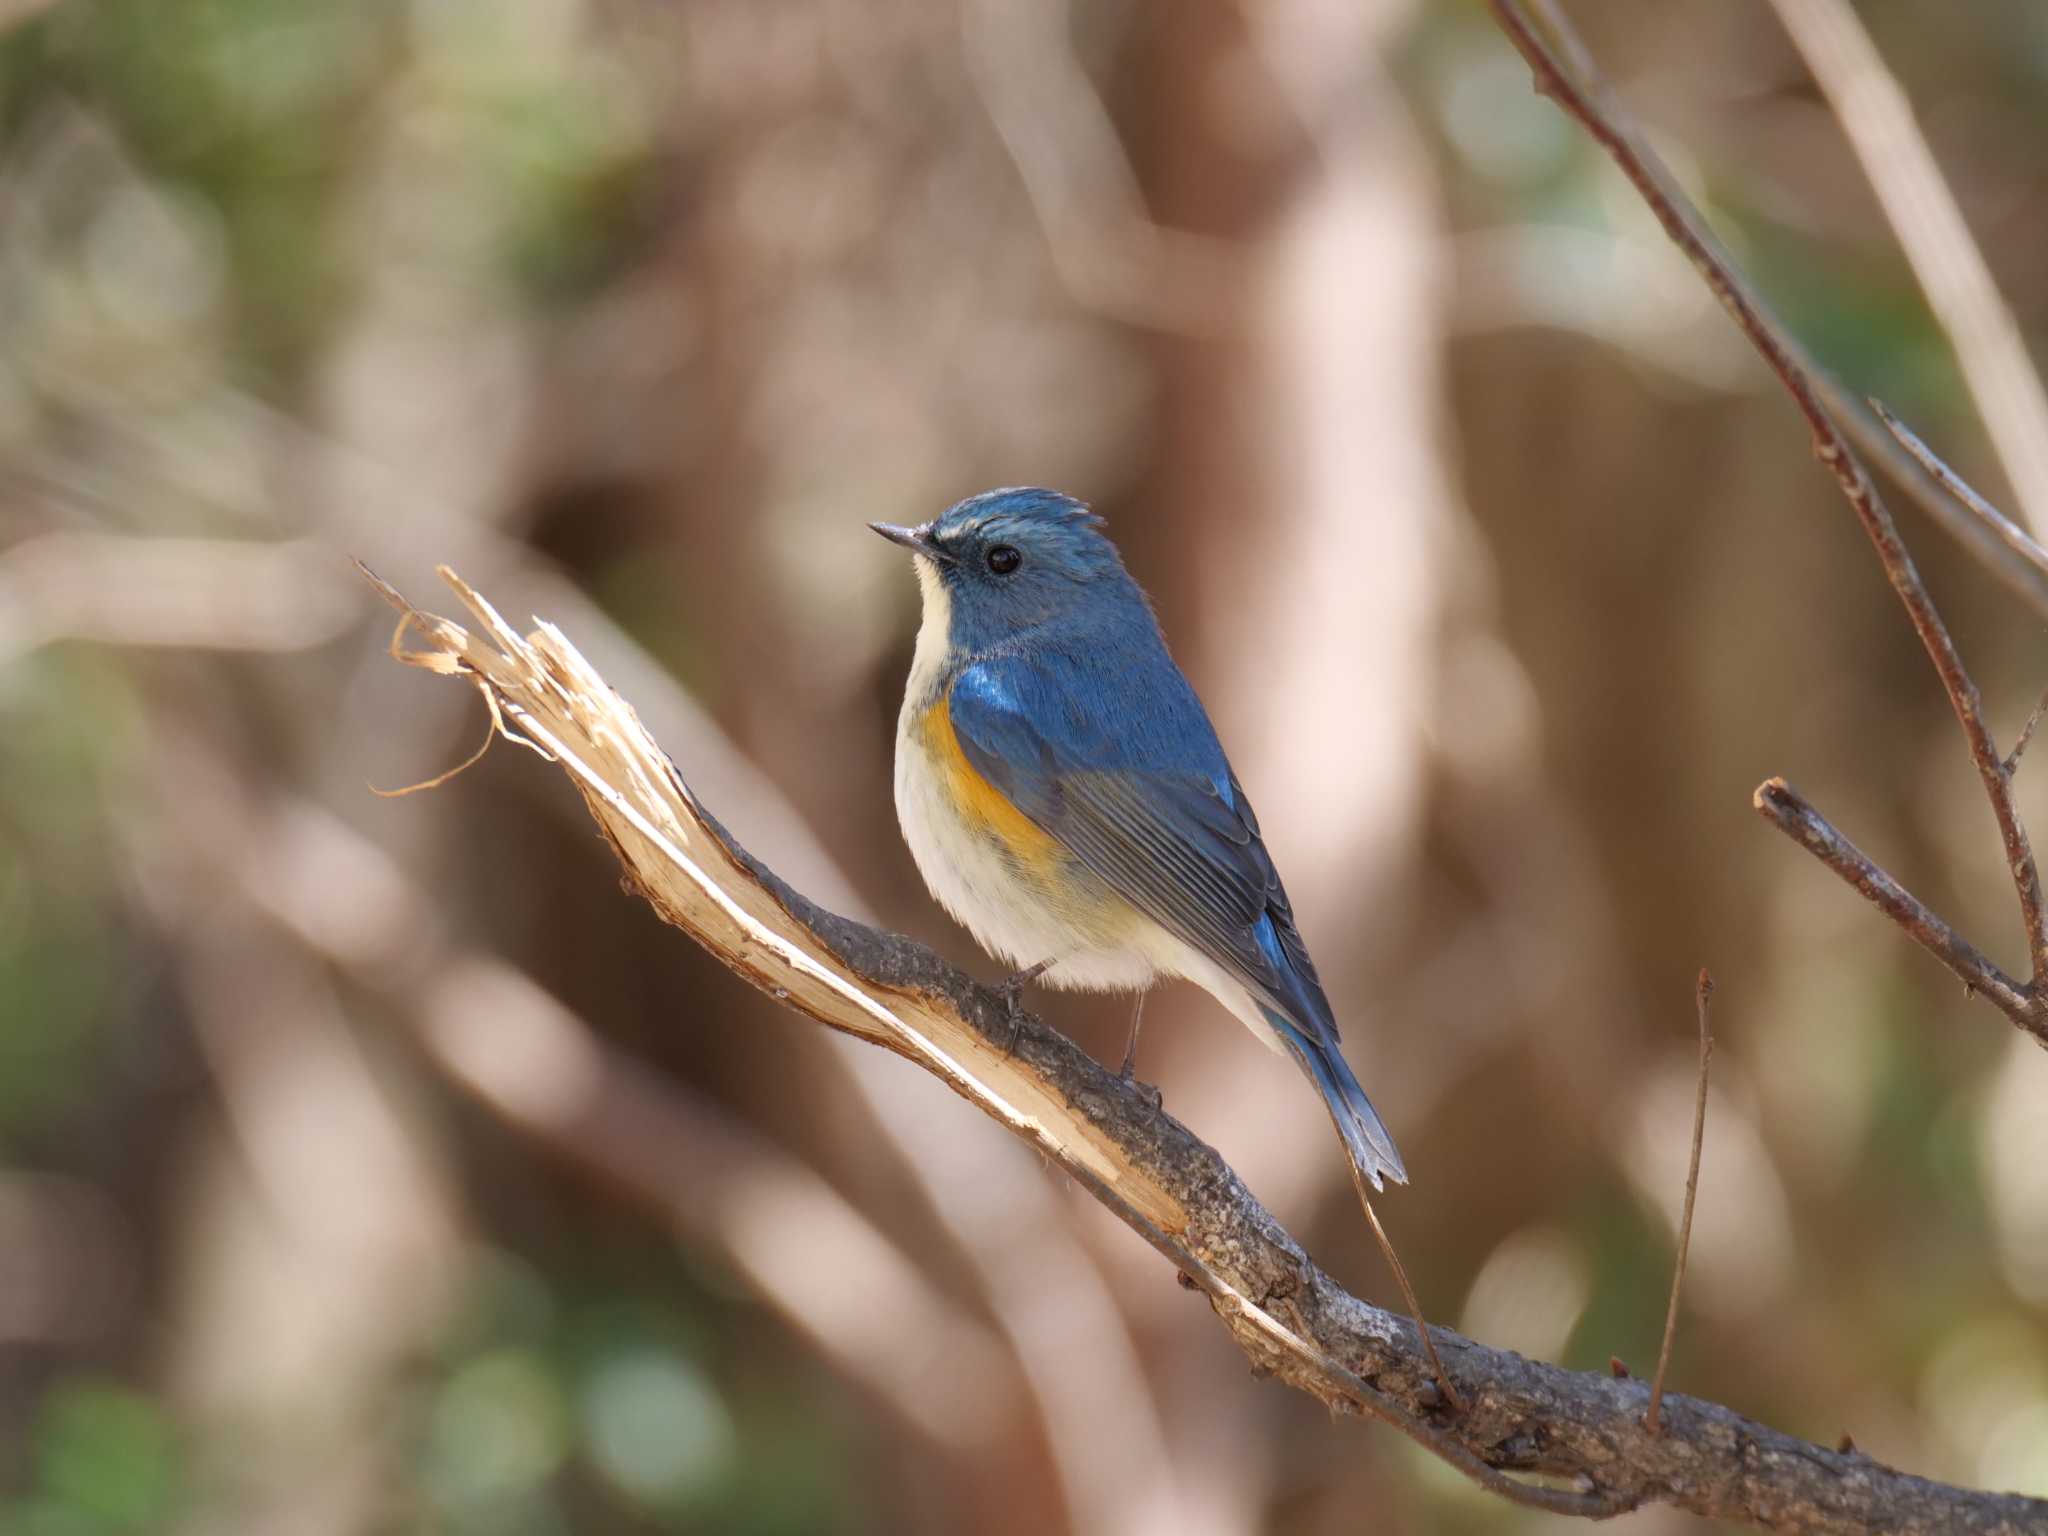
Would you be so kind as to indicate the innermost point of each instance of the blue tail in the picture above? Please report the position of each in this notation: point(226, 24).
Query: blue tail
point(1366, 1139)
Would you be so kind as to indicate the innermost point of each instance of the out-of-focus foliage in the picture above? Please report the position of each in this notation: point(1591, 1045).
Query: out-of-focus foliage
point(1503, 569)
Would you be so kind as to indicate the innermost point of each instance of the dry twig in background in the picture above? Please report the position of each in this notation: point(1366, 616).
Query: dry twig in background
point(1788, 810)
point(1105, 244)
point(1578, 92)
point(1930, 228)
point(2019, 748)
point(2003, 549)
point(1289, 1318)
point(1953, 485)
point(1703, 992)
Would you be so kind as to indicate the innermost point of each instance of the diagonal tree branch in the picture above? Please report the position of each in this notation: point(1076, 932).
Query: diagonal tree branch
point(1878, 120)
point(2004, 549)
point(1585, 1432)
point(1789, 811)
point(1578, 92)
point(1953, 485)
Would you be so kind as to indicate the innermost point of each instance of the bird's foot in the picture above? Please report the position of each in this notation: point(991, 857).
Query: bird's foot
point(1130, 1066)
point(1012, 989)
point(1149, 1092)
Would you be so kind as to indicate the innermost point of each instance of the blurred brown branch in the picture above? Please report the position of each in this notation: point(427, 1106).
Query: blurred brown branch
point(1174, 1191)
point(206, 594)
point(1577, 90)
point(1833, 414)
point(983, 1395)
point(1878, 120)
point(505, 1039)
point(1109, 251)
point(14, 12)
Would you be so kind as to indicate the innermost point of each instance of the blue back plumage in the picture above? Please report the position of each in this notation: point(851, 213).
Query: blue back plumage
point(1064, 697)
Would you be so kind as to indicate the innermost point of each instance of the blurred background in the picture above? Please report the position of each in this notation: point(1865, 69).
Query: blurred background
point(377, 1165)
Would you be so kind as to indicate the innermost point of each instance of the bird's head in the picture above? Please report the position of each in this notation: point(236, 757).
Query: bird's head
point(1015, 559)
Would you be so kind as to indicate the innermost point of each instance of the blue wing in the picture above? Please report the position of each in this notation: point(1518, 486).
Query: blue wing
point(1111, 753)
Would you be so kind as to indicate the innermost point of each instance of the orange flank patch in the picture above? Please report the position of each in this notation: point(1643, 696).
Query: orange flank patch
point(981, 805)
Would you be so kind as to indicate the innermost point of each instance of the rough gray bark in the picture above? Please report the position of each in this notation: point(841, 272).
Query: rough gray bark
point(1521, 1415)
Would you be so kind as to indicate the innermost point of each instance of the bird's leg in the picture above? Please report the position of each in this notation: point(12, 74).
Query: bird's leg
point(1131, 1046)
point(1012, 987)
point(1131, 1056)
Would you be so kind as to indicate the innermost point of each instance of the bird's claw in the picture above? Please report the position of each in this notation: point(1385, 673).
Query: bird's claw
point(1013, 1010)
point(1012, 989)
point(1149, 1092)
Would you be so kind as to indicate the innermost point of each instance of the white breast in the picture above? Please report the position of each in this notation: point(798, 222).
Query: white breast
point(1012, 916)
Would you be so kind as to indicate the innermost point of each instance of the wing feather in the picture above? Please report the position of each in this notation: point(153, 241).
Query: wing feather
point(1151, 807)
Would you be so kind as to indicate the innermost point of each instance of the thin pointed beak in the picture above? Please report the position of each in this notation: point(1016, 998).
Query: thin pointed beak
point(917, 540)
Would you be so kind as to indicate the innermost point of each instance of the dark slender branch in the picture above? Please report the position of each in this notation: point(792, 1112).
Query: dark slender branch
point(1407, 1289)
point(2008, 553)
point(1877, 120)
point(1966, 495)
point(1961, 688)
point(1703, 991)
point(1790, 812)
point(1954, 486)
point(1682, 223)
point(2012, 758)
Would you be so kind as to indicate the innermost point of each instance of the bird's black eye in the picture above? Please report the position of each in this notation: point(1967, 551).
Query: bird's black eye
point(1003, 559)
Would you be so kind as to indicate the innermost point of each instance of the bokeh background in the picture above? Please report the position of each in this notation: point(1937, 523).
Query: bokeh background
point(376, 1165)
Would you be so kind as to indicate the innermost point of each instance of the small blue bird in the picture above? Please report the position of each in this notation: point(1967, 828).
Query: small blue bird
point(1065, 797)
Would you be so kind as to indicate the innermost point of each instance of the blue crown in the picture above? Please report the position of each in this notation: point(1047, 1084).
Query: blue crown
point(1029, 505)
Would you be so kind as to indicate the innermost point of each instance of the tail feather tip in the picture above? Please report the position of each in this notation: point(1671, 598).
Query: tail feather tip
point(1367, 1141)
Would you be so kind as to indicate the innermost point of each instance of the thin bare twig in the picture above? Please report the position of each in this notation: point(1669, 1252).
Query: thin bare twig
point(1961, 688)
point(1521, 1416)
point(1703, 992)
point(1408, 1295)
point(2012, 758)
point(1930, 228)
point(1585, 100)
point(1952, 484)
point(1789, 811)
point(2008, 553)
point(1967, 496)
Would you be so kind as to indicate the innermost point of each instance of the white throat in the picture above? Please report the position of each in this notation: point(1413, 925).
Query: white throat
point(934, 637)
